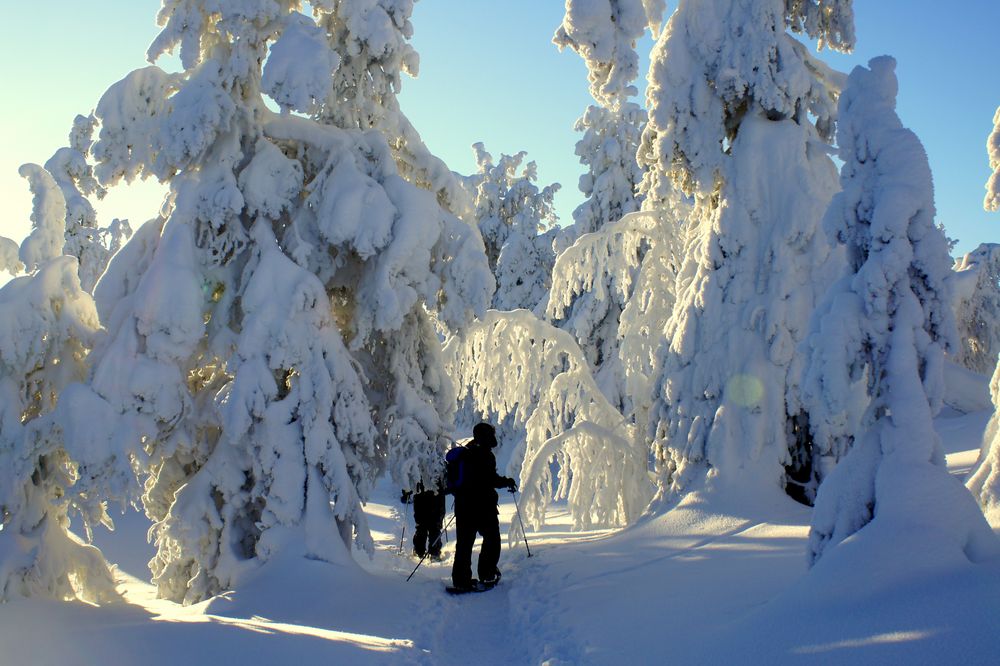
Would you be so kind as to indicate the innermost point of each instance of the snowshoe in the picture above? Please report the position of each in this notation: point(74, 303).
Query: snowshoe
point(474, 586)
point(490, 583)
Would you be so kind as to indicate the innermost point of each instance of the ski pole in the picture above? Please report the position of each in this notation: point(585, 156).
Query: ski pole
point(401, 536)
point(524, 534)
point(436, 542)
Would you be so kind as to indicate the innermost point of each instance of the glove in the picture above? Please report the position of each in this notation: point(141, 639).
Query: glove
point(511, 485)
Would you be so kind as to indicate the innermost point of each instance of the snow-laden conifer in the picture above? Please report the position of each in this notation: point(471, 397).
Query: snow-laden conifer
point(517, 222)
point(271, 347)
point(977, 308)
point(885, 324)
point(738, 114)
point(10, 260)
point(71, 169)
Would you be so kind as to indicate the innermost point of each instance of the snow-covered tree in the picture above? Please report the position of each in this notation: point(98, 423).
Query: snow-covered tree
point(992, 200)
point(47, 325)
point(738, 114)
point(886, 325)
point(548, 390)
point(517, 222)
point(271, 347)
point(979, 330)
point(977, 308)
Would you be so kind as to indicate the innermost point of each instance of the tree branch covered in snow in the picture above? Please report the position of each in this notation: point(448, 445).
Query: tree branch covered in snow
point(9, 259)
point(887, 323)
point(728, 59)
point(604, 33)
point(372, 40)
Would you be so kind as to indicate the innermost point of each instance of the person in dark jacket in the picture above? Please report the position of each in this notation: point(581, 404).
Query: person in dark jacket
point(476, 510)
point(428, 517)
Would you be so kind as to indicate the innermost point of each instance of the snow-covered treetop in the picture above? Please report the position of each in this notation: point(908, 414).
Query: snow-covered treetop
point(992, 200)
point(720, 60)
point(604, 33)
point(372, 40)
point(507, 201)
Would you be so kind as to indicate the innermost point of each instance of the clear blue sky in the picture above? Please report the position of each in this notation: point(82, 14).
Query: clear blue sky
point(490, 73)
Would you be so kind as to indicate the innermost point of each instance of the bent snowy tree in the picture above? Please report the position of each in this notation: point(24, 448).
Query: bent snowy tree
point(270, 344)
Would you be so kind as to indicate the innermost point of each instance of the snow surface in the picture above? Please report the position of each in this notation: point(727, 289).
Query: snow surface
point(713, 581)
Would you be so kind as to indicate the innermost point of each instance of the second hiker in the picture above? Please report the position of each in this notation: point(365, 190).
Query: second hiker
point(428, 519)
point(476, 509)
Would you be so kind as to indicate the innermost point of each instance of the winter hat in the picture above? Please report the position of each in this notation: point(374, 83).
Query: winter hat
point(485, 434)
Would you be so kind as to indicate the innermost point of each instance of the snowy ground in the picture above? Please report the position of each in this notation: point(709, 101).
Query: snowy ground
point(711, 582)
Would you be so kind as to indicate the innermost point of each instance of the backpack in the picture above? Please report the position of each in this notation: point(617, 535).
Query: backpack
point(454, 470)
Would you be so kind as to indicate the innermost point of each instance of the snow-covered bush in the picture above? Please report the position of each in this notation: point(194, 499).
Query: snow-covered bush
point(271, 347)
point(47, 324)
point(738, 114)
point(885, 325)
point(984, 480)
point(977, 308)
point(517, 222)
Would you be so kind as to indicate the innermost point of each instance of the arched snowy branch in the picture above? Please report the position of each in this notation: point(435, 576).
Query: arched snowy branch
point(547, 386)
